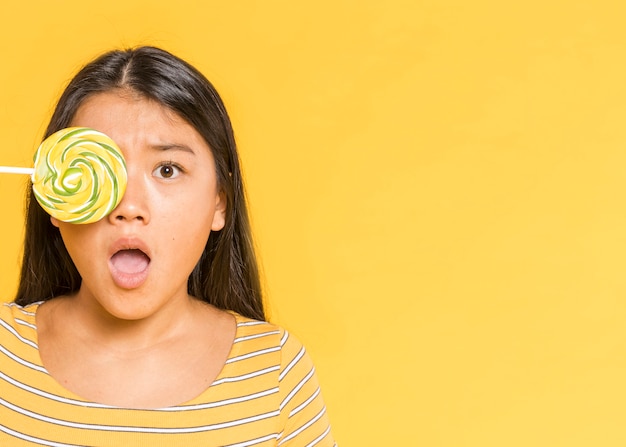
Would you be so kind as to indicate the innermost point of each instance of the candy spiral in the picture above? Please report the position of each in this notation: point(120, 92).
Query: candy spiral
point(79, 175)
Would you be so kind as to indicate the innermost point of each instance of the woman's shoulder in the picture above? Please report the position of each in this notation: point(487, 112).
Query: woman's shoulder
point(254, 337)
point(265, 332)
point(257, 333)
point(18, 331)
point(16, 318)
point(303, 412)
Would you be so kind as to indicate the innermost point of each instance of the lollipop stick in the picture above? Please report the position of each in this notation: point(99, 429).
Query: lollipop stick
point(15, 170)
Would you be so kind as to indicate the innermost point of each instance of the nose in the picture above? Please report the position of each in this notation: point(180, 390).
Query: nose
point(134, 204)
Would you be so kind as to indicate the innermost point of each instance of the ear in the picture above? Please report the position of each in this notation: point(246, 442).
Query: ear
point(219, 217)
point(54, 221)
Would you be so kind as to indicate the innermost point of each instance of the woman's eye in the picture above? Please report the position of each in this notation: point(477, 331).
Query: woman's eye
point(167, 170)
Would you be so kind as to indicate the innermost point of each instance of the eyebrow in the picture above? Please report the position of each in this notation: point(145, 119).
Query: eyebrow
point(174, 147)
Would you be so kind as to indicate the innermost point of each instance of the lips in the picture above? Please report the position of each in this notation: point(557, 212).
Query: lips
point(129, 264)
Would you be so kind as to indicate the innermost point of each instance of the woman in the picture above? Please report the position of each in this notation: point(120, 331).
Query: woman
point(146, 327)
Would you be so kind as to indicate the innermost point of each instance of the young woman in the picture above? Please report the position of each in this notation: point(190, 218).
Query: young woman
point(146, 327)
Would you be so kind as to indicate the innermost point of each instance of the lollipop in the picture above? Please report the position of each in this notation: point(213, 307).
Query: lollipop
point(79, 175)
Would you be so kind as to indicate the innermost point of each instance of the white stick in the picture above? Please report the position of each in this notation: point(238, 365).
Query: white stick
point(15, 170)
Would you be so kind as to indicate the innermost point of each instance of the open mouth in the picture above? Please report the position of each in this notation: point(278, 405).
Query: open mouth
point(130, 261)
point(129, 268)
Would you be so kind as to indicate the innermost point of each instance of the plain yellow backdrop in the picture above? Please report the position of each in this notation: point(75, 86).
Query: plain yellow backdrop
point(437, 191)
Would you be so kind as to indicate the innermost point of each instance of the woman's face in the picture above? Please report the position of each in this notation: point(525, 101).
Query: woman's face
point(136, 261)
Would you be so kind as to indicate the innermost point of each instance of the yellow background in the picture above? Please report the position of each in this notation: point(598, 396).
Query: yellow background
point(438, 194)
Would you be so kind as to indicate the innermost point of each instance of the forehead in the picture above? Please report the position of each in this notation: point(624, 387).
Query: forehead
point(131, 120)
point(117, 106)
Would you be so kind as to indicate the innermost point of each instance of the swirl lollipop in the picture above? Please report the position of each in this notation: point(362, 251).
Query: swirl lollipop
point(79, 175)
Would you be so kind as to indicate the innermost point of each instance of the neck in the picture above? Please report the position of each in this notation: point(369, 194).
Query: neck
point(125, 328)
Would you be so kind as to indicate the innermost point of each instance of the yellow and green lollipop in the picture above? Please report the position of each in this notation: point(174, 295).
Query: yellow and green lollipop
point(79, 175)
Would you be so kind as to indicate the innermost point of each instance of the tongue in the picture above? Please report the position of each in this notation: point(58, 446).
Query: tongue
point(130, 261)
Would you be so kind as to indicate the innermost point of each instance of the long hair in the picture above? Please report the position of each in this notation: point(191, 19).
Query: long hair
point(227, 274)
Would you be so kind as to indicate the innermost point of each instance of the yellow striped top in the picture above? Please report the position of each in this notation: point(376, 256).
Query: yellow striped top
point(266, 395)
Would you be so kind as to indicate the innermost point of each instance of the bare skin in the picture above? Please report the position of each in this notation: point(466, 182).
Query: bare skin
point(140, 364)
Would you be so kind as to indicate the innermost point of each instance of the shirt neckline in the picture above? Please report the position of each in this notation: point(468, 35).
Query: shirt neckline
point(63, 392)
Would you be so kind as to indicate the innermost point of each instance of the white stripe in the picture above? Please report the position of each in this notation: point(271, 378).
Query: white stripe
point(12, 330)
point(252, 337)
point(246, 376)
point(32, 439)
point(23, 309)
point(50, 396)
point(221, 403)
point(254, 441)
point(320, 437)
point(127, 429)
point(22, 361)
point(25, 323)
point(304, 427)
point(291, 364)
point(297, 388)
point(305, 403)
point(251, 323)
point(85, 404)
point(284, 339)
point(252, 354)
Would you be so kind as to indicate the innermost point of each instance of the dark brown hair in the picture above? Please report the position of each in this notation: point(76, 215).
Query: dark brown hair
point(226, 274)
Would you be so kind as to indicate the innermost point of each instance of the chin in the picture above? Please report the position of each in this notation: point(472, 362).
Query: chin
point(129, 309)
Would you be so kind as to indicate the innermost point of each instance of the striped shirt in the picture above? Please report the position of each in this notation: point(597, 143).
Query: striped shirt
point(266, 395)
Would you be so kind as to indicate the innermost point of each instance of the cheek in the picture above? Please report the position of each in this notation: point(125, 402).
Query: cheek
point(194, 232)
point(186, 231)
point(80, 244)
point(73, 236)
